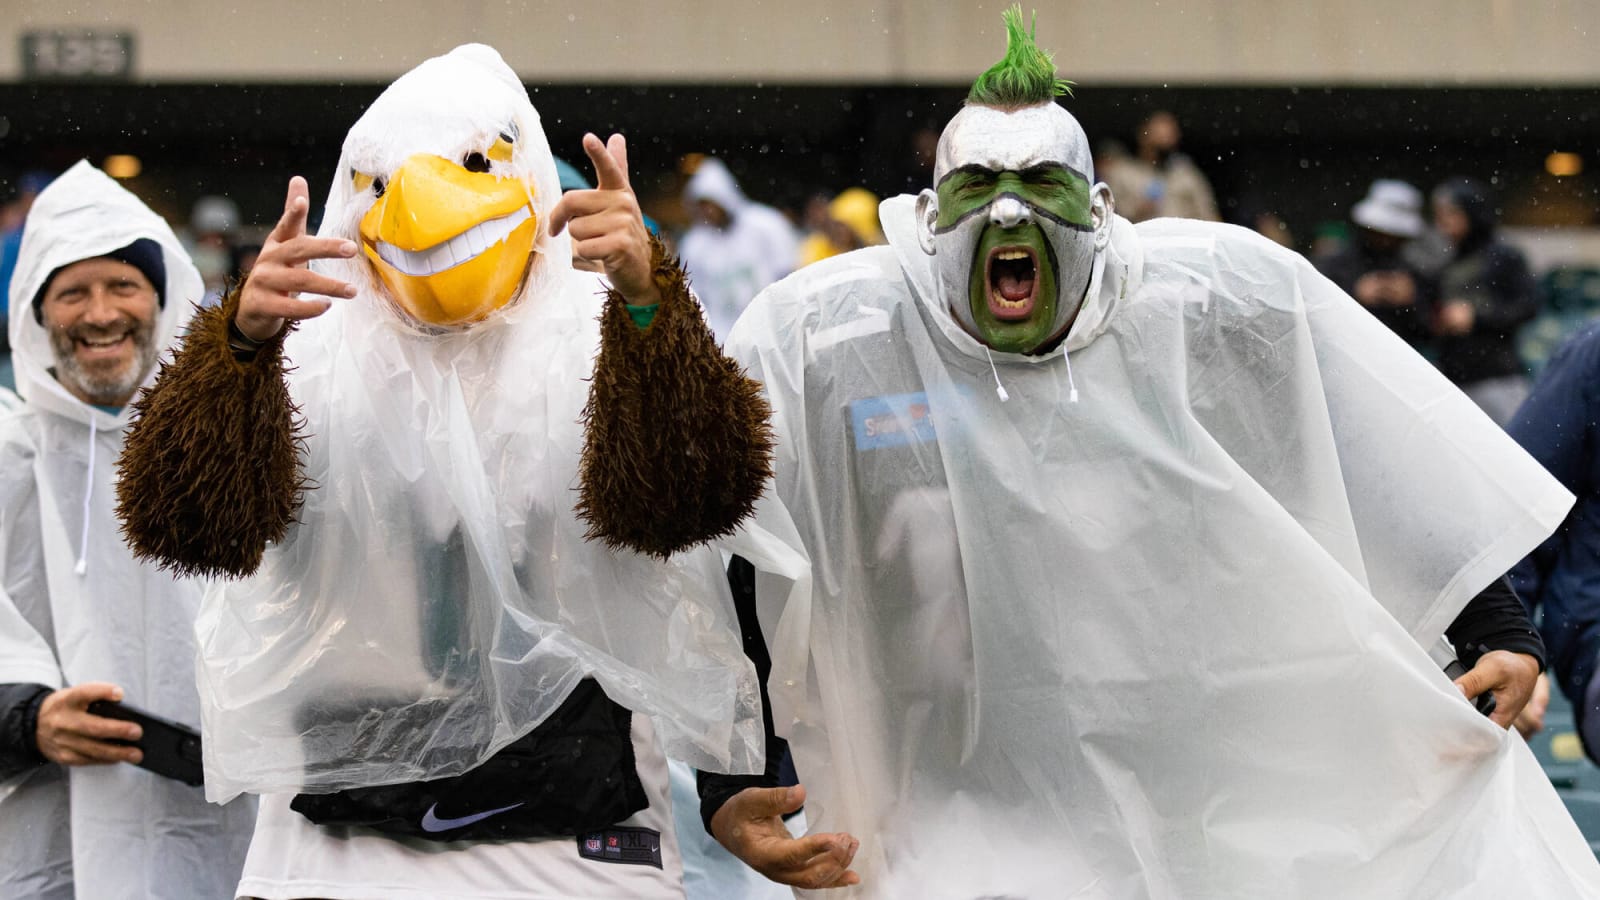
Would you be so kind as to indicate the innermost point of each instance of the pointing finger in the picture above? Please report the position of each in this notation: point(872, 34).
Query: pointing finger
point(617, 147)
point(296, 206)
point(611, 173)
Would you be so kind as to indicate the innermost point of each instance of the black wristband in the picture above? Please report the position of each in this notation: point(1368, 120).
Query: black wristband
point(244, 347)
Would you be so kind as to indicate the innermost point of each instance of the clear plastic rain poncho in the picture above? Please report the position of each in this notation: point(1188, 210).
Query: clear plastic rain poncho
point(1163, 641)
point(77, 607)
point(436, 598)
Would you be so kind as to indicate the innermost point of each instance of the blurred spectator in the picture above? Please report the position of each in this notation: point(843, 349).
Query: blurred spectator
point(1372, 267)
point(1485, 293)
point(736, 246)
point(1331, 238)
point(850, 224)
point(213, 228)
point(1560, 426)
point(1160, 181)
point(12, 215)
point(1270, 225)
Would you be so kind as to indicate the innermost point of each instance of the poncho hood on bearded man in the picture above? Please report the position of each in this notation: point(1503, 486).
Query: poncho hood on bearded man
point(1127, 596)
point(434, 597)
point(76, 605)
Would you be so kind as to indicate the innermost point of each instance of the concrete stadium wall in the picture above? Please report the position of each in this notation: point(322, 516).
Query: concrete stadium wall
point(1416, 42)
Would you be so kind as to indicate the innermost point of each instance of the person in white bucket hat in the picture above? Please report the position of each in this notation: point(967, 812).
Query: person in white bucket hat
point(1373, 268)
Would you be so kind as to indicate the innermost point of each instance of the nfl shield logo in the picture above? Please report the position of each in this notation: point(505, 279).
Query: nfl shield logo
point(592, 844)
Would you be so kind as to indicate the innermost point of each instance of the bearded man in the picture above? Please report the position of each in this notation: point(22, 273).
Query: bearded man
point(102, 286)
point(1129, 546)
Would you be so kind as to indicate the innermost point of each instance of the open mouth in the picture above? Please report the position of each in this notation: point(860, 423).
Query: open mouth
point(453, 252)
point(1013, 278)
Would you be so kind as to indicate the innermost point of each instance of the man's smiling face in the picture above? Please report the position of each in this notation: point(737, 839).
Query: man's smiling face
point(1011, 223)
point(101, 317)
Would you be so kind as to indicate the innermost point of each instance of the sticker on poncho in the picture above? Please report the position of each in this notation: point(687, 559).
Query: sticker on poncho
point(892, 421)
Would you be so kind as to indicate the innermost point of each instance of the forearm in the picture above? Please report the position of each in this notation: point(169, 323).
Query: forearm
point(1494, 620)
point(210, 472)
point(19, 725)
point(715, 788)
point(678, 443)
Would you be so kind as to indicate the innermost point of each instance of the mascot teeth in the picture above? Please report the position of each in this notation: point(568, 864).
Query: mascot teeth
point(457, 250)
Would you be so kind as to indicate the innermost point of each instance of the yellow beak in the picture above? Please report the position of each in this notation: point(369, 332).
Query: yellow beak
point(452, 246)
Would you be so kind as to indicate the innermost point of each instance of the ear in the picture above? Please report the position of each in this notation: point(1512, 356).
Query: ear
point(1102, 209)
point(927, 214)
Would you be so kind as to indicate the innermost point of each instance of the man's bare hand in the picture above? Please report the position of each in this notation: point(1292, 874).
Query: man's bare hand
point(272, 292)
point(606, 225)
point(68, 734)
point(751, 826)
point(1509, 676)
point(1531, 720)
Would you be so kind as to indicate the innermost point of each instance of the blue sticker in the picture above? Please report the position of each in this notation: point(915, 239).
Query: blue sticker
point(892, 421)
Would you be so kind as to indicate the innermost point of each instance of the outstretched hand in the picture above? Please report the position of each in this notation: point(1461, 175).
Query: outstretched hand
point(750, 825)
point(606, 225)
point(1511, 677)
point(272, 292)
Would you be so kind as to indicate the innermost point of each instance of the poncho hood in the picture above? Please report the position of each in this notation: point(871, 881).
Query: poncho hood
point(82, 215)
point(712, 181)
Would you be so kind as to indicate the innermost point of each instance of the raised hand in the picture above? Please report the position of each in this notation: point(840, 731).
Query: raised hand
point(69, 734)
point(605, 223)
point(272, 292)
point(750, 825)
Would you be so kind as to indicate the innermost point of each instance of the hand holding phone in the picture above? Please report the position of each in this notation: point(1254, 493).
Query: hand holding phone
point(167, 748)
point(68, 734)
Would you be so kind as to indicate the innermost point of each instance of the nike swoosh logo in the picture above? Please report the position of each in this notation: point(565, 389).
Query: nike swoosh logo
point(433, 824)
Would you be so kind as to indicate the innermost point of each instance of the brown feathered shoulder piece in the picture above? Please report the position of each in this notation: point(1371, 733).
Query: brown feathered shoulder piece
point(210, 471)
point(678, 442)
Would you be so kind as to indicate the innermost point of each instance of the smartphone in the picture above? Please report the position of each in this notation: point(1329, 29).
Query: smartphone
point(170, 750)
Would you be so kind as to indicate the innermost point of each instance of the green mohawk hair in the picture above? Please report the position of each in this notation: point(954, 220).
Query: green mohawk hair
point(1025, 76)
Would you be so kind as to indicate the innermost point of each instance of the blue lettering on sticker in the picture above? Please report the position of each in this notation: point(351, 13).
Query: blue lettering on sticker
point(892, 421)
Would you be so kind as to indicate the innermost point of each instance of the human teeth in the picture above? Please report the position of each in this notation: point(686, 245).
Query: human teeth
point(1013, 254)
point(462, 248)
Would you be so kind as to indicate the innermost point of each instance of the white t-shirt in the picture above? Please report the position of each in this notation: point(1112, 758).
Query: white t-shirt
point(292, 858)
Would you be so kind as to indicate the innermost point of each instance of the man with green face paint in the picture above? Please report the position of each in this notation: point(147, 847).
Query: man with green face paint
point(1133, 552)
point(1014, 213)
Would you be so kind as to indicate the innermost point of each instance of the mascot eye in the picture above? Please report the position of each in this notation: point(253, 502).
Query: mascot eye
point(378, 186)
point(501, 149)
point(475, 162)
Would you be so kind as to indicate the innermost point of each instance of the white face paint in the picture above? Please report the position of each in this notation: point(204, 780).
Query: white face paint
point(1009, 143)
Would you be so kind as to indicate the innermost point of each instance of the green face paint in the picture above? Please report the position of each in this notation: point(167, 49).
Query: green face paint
point(1052, 189)
point(1012, 286)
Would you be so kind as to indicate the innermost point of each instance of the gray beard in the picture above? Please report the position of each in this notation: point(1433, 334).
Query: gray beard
point(114, 389)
